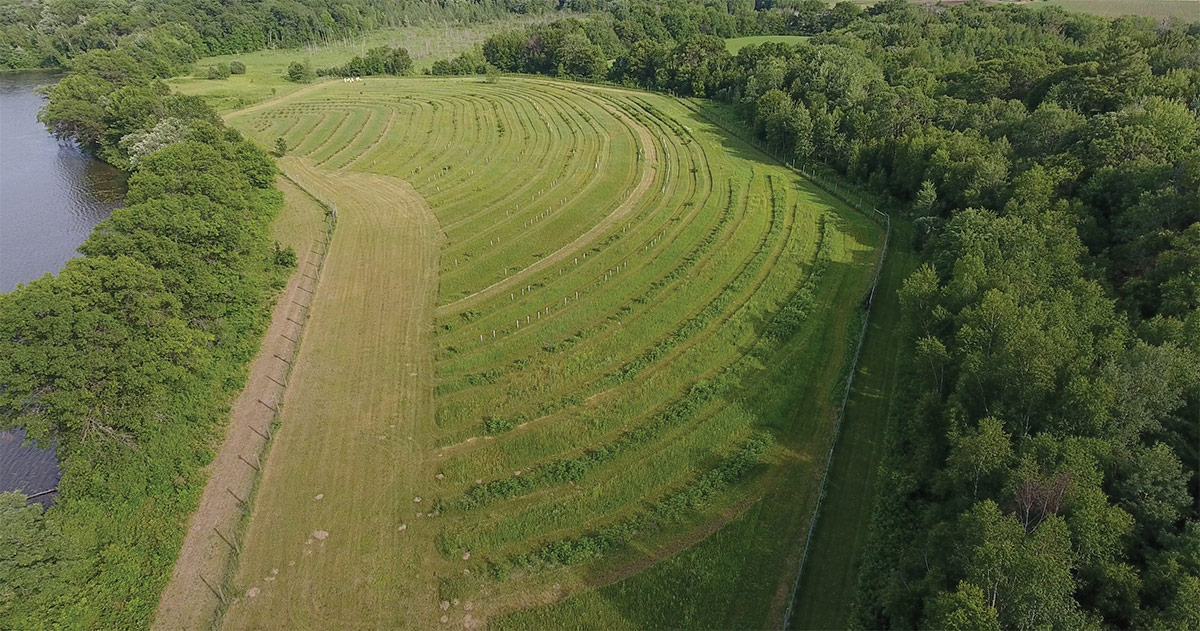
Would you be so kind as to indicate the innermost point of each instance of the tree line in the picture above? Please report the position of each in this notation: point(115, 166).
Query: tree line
point(49, 33)
point(129, 357)
point(381, 60)
point(1041, 469)
point(583, 48)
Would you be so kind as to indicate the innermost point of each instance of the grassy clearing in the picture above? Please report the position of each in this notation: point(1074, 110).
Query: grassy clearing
point(266, 69)
point(734, 44)
point(626, 298)
point(827, 586)
point(1188, 10)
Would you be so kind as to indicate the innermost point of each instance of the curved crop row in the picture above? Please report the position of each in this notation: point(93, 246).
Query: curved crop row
point(634, 313)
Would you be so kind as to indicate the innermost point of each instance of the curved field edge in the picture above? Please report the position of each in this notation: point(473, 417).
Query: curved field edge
point(793, 400)
point(731, 571)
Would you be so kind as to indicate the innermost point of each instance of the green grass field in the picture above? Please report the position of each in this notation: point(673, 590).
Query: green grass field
point(830, 576)
point(1188, 10)
point(622, 300)
point(734, 44)
point(265, 69)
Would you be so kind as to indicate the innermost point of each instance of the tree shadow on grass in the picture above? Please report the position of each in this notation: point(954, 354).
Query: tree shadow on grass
point(740, 575)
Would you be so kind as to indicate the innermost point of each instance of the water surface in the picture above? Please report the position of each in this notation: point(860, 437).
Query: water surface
point(51, 194)
point(26, 468)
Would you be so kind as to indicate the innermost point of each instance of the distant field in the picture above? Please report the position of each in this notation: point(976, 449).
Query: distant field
point(265, 69)
point(1184, 9)
point(1188, 10)
point(621, 302)
point(737, 43)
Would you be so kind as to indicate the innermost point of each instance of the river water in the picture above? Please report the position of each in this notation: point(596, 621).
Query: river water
point(51, 196)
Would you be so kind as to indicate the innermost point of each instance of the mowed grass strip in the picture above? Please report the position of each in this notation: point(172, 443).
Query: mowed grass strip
point(323, 548)
point(627, 298)
point(830, 576)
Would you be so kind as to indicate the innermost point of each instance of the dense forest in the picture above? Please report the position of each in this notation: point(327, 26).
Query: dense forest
point(48, 33)
point(1043, 471)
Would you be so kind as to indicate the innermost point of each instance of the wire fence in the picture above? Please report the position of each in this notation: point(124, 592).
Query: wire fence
point(223, 586)
point(859, 201)
point(838, 417)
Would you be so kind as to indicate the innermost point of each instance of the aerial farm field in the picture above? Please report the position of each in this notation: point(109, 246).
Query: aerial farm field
point(266, 69)
point(1187, 10)
point(566, 337)
point(734, 44)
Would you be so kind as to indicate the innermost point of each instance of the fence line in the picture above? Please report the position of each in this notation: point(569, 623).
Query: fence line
point(836, 191)
point(225, 581)
point(838, 417)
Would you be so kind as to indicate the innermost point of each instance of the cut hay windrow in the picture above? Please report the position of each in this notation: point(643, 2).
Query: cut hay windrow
point(626, 296)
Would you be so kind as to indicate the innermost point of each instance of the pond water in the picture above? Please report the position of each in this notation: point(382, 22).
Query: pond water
point(26, 468)
point(51, 196)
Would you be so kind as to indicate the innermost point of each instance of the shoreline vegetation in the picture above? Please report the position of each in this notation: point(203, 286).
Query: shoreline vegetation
point(130, 355)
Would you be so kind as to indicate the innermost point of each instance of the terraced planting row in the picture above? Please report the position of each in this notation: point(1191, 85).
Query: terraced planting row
point(638, 326)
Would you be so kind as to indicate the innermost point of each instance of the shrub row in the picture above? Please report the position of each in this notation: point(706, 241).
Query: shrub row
point(795, 311)
point(712, 310)
point(673, 509)
point(572, 469)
